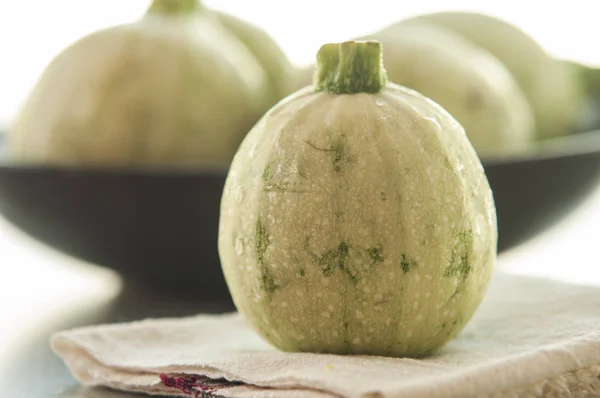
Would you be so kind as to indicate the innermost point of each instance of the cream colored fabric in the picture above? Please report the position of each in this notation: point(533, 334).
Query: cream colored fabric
point(530, 338)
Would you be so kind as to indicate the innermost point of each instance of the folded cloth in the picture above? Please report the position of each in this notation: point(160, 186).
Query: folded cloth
point(530, 338)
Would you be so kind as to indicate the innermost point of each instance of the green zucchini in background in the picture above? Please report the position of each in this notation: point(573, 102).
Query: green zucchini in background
point(554, 89)
point(356, 216)
point(467, 81)
point(177, 87)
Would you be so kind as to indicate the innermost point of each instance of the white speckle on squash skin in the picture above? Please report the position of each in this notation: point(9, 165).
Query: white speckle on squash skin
point(385, 294)
point(239, 246)
point(239, 195)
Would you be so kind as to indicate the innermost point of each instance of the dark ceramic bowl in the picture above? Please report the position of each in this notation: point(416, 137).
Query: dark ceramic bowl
point(535, 189)
point(160, 228)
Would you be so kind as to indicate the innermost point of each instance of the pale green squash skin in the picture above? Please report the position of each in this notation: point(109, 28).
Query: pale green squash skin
point(357, 224)
point(175, 88)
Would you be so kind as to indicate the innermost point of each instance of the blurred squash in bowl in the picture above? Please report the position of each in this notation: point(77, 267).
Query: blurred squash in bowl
point(181, 86)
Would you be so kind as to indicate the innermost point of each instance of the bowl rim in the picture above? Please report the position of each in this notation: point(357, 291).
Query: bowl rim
point(568, 146)
point(6, 163)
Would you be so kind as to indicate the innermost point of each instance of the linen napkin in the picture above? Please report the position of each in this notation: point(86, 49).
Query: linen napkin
point(530, 338)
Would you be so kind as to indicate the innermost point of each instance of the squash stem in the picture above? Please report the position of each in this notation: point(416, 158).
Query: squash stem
point(174, 7)
point(349, 68)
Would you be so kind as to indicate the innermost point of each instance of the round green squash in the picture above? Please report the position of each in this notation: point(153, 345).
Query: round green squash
point(552, 86)
point(467, 81)
point(356, 216)
point(177, 87)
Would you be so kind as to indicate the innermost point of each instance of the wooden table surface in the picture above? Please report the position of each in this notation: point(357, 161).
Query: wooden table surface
point(43, 291)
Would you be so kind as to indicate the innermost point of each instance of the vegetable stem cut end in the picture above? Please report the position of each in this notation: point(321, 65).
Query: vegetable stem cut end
point(174, 7)
point(349, 68)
